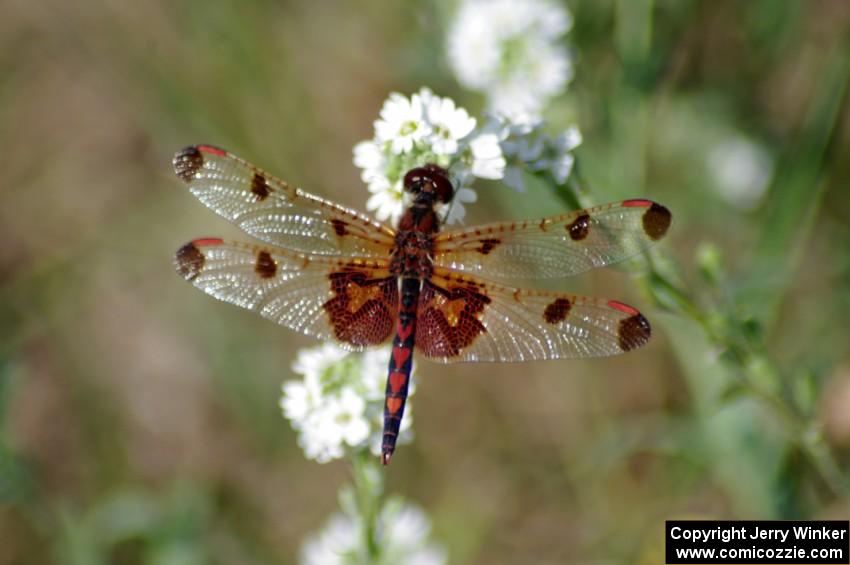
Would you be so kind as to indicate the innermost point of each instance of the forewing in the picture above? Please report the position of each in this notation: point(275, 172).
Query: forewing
point(557, 246)
point(353, 302)
point(276, 212)
point(463, 318)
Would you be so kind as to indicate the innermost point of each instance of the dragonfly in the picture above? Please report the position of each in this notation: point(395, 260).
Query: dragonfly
point(336, 274)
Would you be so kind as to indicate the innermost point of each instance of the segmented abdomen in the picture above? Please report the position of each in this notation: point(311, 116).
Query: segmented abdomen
point(401, 362)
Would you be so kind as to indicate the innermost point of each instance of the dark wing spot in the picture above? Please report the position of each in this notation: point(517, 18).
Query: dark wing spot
point(265, 267)
point(488, 245)
point(189, 261)
point(372, 319)
point(656, 220)
point(634, 332)
point(579, 227)
point(339, 227)
point(187, 162)
point(259, 187)
point(445, 332)
point(557, 311)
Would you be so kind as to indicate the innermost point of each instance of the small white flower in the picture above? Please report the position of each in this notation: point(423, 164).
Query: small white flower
point(511, 50)
point(522, 145)
point(296, 401)
point(488, 161)
point(338, 406)
point(521, 153)
point(387, 200)
point(337, 543)
point(316, 361)
point(319, 436)
point(528, 148)
point(369, 157)
point(562, 166)
point(403, 122)
point(514, 178)
point(741, 170)
point(568, 140)
point(354, 428)
point(560, 159)
point(403, 538)
point(449, 124)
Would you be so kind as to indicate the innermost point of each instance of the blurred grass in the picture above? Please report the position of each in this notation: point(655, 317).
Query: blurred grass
point(139, 419)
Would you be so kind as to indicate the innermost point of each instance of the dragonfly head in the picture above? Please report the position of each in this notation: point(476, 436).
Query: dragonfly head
point(430, 181)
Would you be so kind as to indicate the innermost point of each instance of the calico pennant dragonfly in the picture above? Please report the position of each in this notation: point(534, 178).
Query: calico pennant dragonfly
point(336, 274)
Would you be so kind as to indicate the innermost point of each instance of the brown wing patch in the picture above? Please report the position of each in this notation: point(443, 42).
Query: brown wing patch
point(265, 266)
point(634, 332)
point(260, 187)
point(579, 228)
point(189, 261)
point(557, 311)
point(187, 162)
point(449, 320)
point(339, 227)
point(488, 245)
point(362, 310)
point(656, 221)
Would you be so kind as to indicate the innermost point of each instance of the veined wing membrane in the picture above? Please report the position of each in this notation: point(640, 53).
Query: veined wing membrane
point(350, 301)
point(463, 318)
point(276, 212)
point(557, 246)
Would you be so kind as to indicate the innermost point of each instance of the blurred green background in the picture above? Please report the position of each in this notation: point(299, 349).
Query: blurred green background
point(139, 418)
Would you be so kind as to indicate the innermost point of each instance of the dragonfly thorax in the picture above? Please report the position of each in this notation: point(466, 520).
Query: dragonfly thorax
point(412, 254)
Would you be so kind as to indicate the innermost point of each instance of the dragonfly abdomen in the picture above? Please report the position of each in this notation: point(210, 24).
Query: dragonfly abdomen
point(401, 363)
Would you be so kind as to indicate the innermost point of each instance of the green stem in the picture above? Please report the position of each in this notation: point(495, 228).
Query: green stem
point(802, 432)
point(368, 487)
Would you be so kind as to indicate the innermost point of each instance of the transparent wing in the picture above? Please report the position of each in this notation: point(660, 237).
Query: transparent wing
point(351, 301)
point(463, 318)
point(557, 246)
point(275, 212)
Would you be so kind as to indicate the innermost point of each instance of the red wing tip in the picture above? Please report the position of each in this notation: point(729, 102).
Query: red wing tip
point(638, 203)
point(207, 241)
point(622, 307)
point(212, 149)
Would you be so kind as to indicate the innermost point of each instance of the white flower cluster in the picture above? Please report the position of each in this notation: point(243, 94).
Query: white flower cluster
point(512, 51)
point(403, 537)
point(528, 148)
point(425, 128)
point(338, 406)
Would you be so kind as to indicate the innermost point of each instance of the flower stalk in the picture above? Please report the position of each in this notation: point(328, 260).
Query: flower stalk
point(368, 489)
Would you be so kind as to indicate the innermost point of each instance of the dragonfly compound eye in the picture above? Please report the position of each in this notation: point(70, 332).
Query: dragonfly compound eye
point(431, 178)
point(442, 185)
